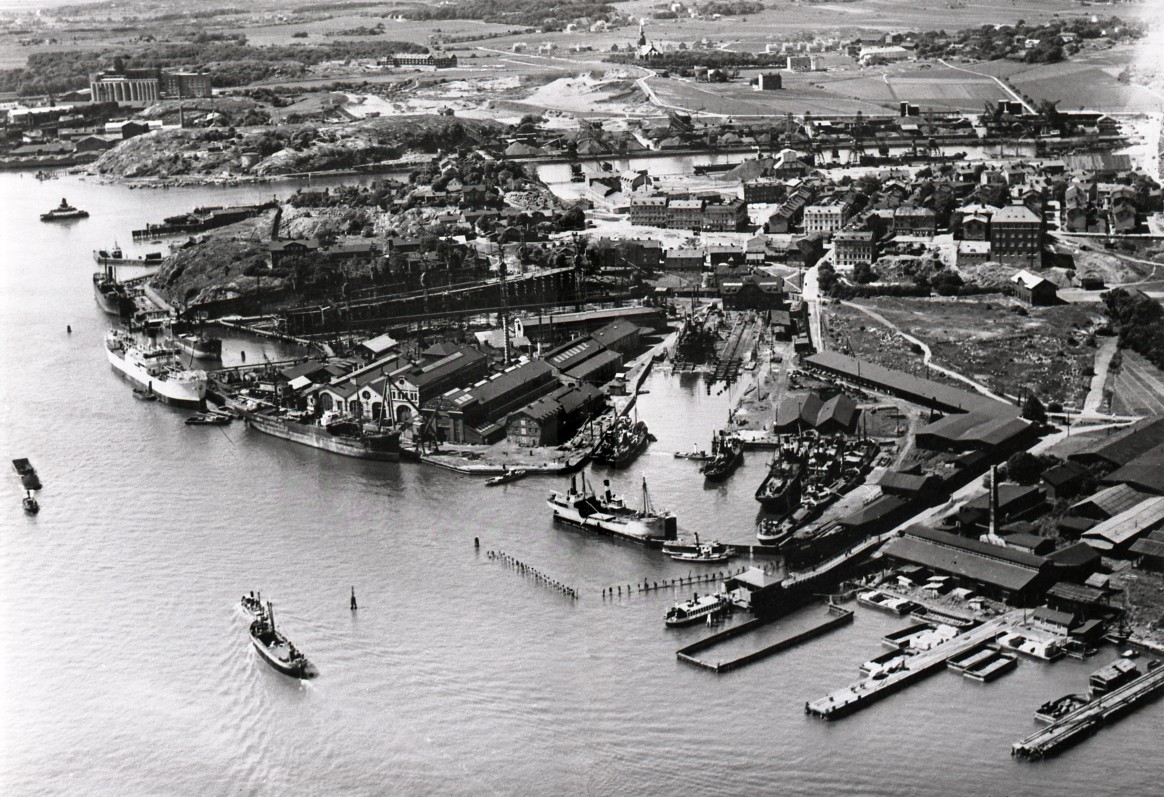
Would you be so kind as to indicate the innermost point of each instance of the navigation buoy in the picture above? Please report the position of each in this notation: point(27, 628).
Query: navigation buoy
point(354, 607)
point(69, 328)
point(476, 542)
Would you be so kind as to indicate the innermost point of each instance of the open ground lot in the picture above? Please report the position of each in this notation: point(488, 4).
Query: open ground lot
point(1001, 343)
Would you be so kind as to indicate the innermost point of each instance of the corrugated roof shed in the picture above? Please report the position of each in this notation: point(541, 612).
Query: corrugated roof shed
point(1138, 439)
point(922, 391)
point(1109, 501)
point(594, 365)
point(1125, 527)
point(1145, 472)
point(963, 563)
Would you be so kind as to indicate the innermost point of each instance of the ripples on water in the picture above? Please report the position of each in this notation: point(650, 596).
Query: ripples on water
point(127, 668)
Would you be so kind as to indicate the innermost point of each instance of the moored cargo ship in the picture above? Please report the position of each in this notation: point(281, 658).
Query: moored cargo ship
point(728, 454)
point(347, 439)
point(156, 370)
point(112, 297)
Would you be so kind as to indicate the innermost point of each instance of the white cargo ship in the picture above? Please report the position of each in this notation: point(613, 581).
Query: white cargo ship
point(156, 370)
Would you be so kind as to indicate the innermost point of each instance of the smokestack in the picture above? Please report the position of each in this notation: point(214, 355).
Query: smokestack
point(994, 501)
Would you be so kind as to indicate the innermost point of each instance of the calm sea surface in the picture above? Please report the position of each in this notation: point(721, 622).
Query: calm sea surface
point(126, 667)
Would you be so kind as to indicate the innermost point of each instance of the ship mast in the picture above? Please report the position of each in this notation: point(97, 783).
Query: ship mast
point(646, 499)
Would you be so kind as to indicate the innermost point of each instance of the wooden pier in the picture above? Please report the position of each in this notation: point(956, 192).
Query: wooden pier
point(869, 690)
point(838, 616)
point(1083, 722)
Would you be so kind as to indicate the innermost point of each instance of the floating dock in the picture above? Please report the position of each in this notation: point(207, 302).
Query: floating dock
point(869, 690)
point(1079, 724)
point(838, 616)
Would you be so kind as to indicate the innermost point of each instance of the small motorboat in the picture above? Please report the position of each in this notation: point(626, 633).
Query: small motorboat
point(144, 395)
point(697, 456)
point(30, 504)
point(507, 477)
point(208, 419)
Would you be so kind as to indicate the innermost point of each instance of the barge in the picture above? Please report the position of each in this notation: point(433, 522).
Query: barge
point(350, 440)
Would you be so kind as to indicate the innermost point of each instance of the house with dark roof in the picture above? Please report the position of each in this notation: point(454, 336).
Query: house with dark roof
point(620, 335)
point(753, 292)
point(1015, 501)
point(554, 418)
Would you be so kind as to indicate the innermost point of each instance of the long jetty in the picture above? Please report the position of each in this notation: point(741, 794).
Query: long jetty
point(868, 690)
point(838, 616)
point(1083, 722)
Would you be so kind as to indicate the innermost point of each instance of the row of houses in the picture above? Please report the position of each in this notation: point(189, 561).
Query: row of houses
point(685, 213)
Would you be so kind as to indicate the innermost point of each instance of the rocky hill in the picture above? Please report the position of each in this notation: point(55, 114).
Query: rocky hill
point(218, 153)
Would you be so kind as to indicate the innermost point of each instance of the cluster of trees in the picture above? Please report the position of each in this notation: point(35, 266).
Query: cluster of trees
point(731, 8)
point(713, 59)
point(231, 62)
point(546, 14)
point(1140, 321)
point(988, 42)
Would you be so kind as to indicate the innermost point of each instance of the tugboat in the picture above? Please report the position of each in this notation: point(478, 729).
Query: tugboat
point(276, 649)
point(687, 546)
point(706, 554)
point(728, 454)
point(506, 477)
point(63, 212)
point(30, 504)
point(694, 610)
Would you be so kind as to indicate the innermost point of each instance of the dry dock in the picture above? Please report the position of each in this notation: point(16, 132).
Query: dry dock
point(1083, 722)
point(869, 690)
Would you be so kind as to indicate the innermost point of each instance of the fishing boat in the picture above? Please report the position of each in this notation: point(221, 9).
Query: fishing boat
point(30, 504)
point(623, 441)
point(28, 476)
point(208, 419)
point(780, 490)
point(201, 346)
point(276, 649)
point(706, 554)
point(112, 296)
point(63, 212)
point(155, 370)
point(728, 454)
point(507, 477)
point(698, 455)
point(694, 610)
point(607, 513)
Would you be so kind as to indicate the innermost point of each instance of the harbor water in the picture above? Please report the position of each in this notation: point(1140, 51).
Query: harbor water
point(127, 668)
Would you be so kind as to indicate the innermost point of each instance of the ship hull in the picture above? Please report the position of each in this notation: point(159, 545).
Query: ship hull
point(189, 395)
point(297, 670)
point(202, 348)
point(318, 437)
point(631, 529)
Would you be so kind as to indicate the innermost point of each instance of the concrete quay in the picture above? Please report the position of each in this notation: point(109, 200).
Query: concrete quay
point(869, 690)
